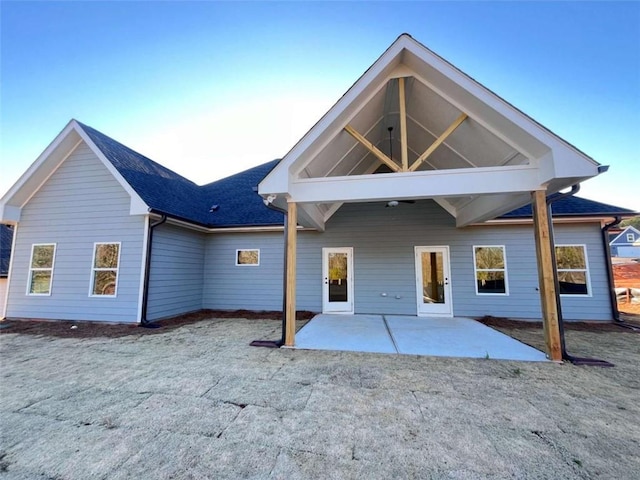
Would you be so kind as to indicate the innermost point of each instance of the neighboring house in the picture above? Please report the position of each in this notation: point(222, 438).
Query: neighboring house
point(439, 224)
point(6, 236)
point(626, 243)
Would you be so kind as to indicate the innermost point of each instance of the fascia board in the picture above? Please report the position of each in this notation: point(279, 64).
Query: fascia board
point(137, 206)
point(529, 220)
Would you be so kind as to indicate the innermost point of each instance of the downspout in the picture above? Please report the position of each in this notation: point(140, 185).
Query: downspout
point(565, 355)
point(268, 202)
point(145, 291)
point(607, 253)
point(284, 271)
point(612, 292)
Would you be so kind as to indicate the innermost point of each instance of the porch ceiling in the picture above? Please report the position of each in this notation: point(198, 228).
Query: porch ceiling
point(413, 126)
point(428, 115)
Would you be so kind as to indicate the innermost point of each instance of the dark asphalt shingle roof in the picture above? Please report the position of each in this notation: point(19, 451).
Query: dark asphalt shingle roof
point(167, 192)
point(6, 237)
point(238, 204)
point(573, 206)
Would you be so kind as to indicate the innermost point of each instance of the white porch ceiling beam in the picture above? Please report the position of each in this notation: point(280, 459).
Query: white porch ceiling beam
point(406, 186)
point(451, 210)
point(491, 206)
point(372, 148)
point(438, 141)
point(309, 215)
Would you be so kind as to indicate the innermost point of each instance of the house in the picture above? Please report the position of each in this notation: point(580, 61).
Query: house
point(6, 237)
point(626, 243)
point(420, 192)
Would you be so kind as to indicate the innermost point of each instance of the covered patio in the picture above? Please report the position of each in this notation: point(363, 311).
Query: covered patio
point(412, 335)
point(414, 127)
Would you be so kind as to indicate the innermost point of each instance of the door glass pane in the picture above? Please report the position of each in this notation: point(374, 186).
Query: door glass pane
point(432, 277)
point(338, 277)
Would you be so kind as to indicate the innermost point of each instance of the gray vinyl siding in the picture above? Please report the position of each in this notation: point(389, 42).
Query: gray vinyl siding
point(81, 203)
point(176, 274)
point(383, 240)
point(228, 286)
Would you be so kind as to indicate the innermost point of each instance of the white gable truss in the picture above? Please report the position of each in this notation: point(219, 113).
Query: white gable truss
point(415, 127)
point(48, 162)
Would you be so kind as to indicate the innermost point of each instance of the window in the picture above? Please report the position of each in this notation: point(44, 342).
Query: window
point(491, 270)
point(41, 268)
point(630, 237)
point(104, 270)
point(248, 257)
point(573, 275)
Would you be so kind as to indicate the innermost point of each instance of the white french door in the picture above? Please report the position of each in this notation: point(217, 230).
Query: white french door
point(433, 281)
point(337, 280)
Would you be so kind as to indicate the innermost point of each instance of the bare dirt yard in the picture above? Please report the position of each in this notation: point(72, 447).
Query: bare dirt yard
point(193, 400)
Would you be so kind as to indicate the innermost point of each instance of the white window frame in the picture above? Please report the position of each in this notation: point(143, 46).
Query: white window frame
point(630, 237)
point(585, 269)
point(31, 269)
point(94, 269)
point(238, 264)
point(476, 270)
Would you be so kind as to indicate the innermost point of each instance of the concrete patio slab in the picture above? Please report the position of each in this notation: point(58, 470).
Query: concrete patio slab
point(350, 333)
point(456, 337)
point(411, 335)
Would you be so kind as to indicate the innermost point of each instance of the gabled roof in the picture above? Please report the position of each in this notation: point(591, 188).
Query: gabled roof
point(416, 127)
point(6, 238)
point(621, 239)
point(151, 186)
point(164, 191)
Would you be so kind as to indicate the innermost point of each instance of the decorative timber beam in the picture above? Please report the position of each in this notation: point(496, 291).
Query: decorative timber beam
point(372, 148)
point(403, 126)
point(438, 142)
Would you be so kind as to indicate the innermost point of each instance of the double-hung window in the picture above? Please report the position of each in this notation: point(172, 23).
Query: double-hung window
point(573, 273)
point(41, 268)
point(490, 265)
point(104, 269)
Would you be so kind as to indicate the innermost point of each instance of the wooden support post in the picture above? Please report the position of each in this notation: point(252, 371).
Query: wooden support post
point(403, 126)
point(292, 236)
point(546, 280)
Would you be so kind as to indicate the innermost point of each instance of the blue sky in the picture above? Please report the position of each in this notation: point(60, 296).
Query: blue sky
point(212, 88)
